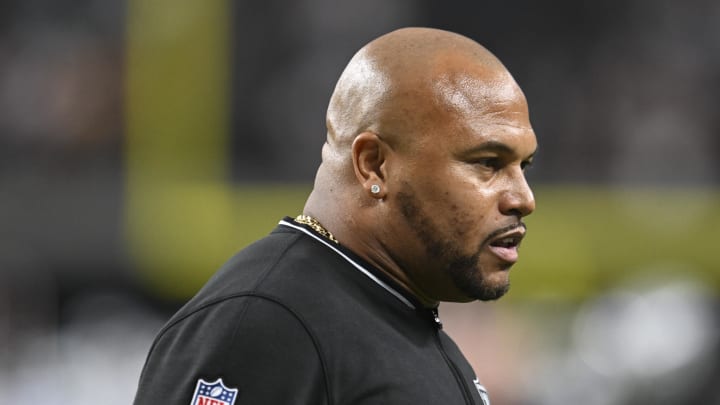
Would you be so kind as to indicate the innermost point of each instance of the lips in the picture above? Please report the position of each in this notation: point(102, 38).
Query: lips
point(505, 246)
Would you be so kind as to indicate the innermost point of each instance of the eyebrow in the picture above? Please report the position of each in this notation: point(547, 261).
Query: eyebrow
point(495, 146)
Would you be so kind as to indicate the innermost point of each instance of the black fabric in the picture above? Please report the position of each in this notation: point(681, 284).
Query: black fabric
point(289, 321)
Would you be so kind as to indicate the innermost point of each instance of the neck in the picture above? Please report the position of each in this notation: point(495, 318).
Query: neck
point(349, 232)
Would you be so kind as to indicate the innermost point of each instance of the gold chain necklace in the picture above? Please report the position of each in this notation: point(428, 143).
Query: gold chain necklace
point(315, 225)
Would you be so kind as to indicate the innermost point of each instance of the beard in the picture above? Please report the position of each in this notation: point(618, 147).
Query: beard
point(464, 270)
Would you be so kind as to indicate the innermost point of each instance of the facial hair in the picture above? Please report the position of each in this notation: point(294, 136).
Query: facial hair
point(463, 269)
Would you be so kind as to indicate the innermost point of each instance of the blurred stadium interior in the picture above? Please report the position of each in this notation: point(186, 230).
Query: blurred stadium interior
point(143, 143)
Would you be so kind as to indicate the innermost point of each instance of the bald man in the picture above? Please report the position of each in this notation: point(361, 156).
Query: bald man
point(419, 199)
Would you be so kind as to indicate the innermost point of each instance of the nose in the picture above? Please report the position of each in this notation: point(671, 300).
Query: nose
point(518, 200)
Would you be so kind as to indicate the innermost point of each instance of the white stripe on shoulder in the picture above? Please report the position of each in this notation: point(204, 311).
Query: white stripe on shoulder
point(351, 261)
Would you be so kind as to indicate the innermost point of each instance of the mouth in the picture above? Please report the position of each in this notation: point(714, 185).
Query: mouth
point(505, 246)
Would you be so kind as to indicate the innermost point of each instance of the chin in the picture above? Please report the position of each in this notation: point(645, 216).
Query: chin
point(484, 288)
point(495, 286)
point(490, 291)
point(495, 293)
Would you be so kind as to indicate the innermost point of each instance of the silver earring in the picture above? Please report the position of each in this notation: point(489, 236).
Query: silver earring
point(374, 189)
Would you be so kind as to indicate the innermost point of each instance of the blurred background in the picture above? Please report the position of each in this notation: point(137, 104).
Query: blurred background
point(143, 142)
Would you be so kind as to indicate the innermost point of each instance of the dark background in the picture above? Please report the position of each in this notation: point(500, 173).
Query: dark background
point(623, 97)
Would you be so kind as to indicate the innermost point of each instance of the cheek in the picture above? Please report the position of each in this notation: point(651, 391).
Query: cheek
point(457, 202)
point(463, 222)
point(468, 209)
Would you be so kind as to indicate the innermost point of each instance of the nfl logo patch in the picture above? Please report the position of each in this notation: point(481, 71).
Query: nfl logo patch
point(213, 393)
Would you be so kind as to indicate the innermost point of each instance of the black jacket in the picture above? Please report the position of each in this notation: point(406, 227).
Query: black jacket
point(297, 319)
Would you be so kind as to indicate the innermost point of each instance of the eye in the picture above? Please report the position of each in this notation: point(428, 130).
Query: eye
point(526, 165)
point(490, 163)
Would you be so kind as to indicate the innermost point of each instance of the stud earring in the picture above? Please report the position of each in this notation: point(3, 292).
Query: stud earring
point(374, 189)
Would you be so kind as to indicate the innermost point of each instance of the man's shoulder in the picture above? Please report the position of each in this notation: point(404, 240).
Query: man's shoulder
point(270, 287)
point(249, 340)
point(284, 256)
point(282, 267)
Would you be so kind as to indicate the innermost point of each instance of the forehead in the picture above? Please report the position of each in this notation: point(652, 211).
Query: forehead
point(481, 106)
point(477, 91)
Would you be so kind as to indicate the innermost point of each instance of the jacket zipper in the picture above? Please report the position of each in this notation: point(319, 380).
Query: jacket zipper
point(456, 372)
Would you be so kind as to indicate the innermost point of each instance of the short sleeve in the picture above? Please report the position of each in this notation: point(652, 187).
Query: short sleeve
point(255, 345)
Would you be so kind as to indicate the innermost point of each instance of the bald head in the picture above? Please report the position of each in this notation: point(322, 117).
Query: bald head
point(402, 85)
point(400, 82)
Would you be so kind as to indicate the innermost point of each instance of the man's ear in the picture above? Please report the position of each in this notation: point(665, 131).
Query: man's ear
point(369, 152)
